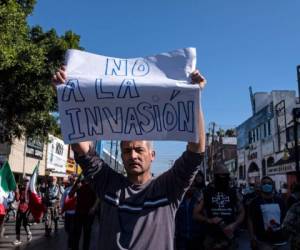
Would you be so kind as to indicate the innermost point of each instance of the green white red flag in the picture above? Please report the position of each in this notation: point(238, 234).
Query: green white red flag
point(7, 180)
point(36, 205)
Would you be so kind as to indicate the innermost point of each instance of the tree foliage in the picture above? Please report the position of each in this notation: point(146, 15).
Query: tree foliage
point(230, 132)
point(28, 58)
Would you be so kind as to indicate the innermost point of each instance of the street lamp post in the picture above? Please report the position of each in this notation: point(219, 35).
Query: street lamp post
point(296, 114)
point(298, 78)
point(24, 157)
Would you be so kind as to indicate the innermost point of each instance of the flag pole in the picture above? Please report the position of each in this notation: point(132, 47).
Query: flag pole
point(24, 156)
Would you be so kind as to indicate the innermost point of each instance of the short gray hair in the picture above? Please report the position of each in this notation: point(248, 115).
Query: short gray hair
point(150, 144)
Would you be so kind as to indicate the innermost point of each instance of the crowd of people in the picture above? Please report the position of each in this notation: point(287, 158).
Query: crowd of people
point(214, 216)
point(209, 216)
point(72, 201)
point(174, 210)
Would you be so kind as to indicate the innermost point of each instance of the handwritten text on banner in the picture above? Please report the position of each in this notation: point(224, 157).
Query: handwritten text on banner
point(129, 99)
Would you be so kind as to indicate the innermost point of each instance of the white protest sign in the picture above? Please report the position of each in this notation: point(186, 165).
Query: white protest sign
point(57, 155)
point(147, 98)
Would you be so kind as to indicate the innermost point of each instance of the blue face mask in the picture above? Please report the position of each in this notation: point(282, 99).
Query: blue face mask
point(267, 188)
point(251, 190)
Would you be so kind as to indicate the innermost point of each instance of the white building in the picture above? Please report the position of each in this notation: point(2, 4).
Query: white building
point(265, 139)
point(23, 156)
point(112, 161)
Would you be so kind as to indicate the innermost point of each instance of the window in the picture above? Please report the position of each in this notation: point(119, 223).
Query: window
point(269, 127)
point(264, 170)
point(265, 130)
point(270, 161)
point(241, 172)
point(34, 148)
point(290, 134)
point(250, 137)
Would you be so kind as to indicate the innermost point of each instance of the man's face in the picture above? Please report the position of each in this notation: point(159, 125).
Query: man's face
point(222, 181)
point(52, 181)
point(267, 186)
point(137, 157)
point(199, 179)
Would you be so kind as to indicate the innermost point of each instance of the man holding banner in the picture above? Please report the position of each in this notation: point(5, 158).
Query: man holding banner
point(137, 211)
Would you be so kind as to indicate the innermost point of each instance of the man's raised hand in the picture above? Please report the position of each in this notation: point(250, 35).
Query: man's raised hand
point(197, 78)
point(59, 77)
point(198, 147)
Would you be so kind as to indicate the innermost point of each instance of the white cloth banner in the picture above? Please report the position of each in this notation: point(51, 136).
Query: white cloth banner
point(147, 98)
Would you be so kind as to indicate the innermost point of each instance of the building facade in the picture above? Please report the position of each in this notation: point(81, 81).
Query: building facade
point(221, 150)
point(23, 155)
point(53, 156)
point(265, 140)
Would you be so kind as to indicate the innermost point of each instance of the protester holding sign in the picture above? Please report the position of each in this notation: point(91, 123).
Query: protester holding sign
point(147, 98)
point(138, 211)
point(265, 217)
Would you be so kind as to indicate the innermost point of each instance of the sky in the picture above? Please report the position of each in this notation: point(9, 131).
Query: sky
point(239, 44)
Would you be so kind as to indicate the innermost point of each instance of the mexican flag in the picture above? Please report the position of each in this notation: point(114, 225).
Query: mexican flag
point(7, 180)
point(36, 205)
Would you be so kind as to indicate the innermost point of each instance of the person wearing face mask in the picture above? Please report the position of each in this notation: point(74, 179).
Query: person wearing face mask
point(265, 217)
point(222, 210)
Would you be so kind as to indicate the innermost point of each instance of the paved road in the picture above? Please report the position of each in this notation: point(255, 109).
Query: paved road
point(39, 241)
point(58, 241)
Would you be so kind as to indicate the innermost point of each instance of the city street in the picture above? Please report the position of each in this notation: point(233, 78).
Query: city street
point(58, 241)
point(170, 122)
point(39, 241)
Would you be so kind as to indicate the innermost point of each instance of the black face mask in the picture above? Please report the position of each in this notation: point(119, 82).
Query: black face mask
point(222, 182)
point(199, 184)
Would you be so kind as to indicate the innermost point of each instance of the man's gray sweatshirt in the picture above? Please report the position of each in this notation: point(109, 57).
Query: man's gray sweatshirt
point(139, 217)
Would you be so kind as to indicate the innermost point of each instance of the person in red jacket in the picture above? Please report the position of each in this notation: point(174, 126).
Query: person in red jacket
point(84, 213)
point(23, 212)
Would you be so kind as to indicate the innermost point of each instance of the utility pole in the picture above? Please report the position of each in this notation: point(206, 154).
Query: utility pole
point(298, 78)
point(296, 114)
point(24, 157)
point(252, 100)
point(207, 155)
point(212, 146)
point(111, 152)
